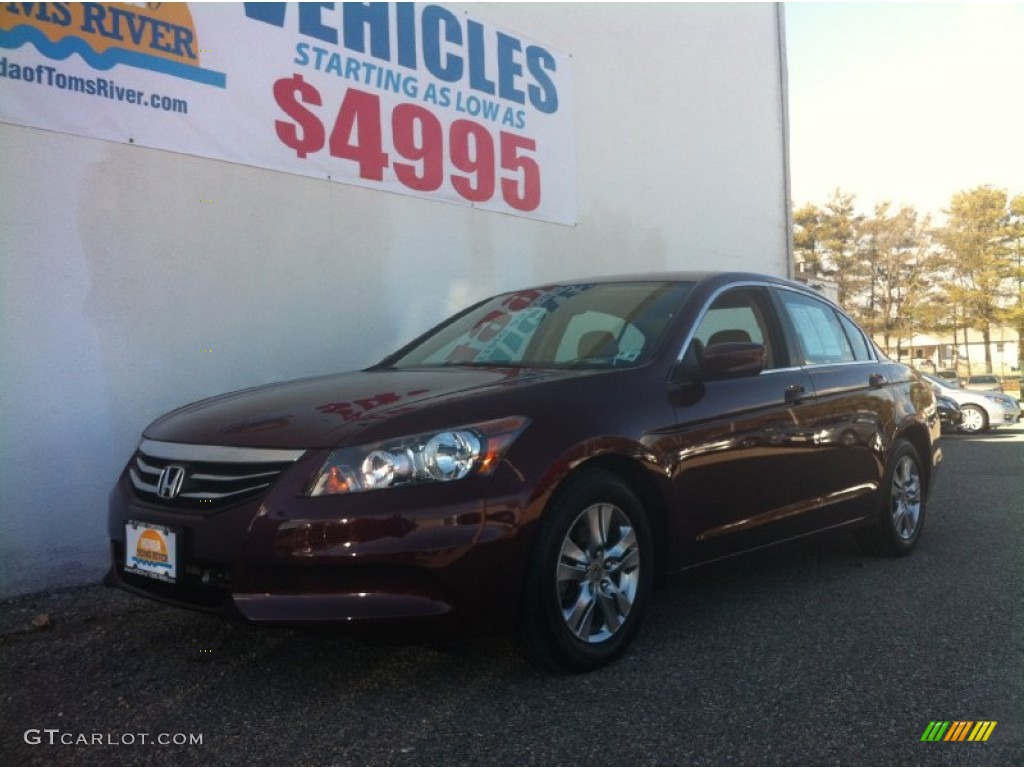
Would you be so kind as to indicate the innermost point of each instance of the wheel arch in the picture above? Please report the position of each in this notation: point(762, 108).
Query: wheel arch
point(918, 435)
point(644, 484)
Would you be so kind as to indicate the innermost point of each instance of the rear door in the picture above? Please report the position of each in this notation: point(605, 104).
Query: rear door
point(852, 404)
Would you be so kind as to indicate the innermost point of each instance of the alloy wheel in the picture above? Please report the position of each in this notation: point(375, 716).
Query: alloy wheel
point(598, 573)
point(905, 498)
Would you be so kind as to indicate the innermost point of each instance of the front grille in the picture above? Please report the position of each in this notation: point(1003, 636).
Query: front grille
point(204, 477)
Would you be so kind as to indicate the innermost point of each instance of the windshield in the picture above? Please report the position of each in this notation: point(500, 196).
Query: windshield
point(589, 325)
point(944, 383)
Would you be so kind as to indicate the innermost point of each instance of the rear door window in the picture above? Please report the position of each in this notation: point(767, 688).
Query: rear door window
point(819, 330)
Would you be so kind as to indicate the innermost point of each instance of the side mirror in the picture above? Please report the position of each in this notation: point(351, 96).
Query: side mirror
point(733, 360)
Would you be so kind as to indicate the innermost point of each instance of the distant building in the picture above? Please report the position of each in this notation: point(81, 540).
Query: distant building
point(965, 354)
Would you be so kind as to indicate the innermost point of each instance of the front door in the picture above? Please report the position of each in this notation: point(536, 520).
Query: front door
point(740, 445)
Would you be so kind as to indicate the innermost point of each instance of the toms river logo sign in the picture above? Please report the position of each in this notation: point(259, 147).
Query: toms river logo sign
point(407, 98)
point(151, 551)
point(160, 37)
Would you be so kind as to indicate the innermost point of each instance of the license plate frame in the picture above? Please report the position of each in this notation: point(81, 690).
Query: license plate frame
point(151, 550)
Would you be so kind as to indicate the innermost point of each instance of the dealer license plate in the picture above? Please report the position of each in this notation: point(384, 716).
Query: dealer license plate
point(150, 550)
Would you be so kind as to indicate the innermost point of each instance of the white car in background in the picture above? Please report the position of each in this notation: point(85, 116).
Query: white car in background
point(984, 382)
point(981, 410)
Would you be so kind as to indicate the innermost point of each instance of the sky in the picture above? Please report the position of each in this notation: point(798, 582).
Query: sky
point(905, 102)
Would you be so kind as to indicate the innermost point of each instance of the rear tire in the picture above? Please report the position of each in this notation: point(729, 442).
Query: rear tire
point(590, 577)
point(904, 497)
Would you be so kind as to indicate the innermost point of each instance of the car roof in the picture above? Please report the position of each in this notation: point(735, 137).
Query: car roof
point(689, 276)
point(705, 281)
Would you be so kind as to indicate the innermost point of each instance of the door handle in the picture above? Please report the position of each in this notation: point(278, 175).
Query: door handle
point(795, 393)
point(877, 380)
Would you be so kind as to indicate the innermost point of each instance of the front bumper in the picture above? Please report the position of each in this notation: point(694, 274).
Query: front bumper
point(1005, 415)
point(441, 556)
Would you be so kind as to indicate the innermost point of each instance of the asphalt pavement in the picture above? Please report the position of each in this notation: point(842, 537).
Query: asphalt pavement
point(815, 655)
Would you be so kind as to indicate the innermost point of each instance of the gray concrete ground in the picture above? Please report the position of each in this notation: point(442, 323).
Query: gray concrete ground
point(815, 655)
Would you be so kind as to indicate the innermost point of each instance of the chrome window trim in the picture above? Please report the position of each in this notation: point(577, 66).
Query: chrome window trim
point(841, 362)
point(707, 305)
point(217, 453)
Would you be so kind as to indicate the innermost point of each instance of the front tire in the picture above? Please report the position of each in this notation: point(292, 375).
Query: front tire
point(975, 420)
point(903, 504)
point(590, 577)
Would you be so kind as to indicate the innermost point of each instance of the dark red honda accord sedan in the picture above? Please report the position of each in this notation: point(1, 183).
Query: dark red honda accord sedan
point(534, 464)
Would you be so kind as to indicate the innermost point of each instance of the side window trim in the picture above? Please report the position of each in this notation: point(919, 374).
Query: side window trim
point(772, 317)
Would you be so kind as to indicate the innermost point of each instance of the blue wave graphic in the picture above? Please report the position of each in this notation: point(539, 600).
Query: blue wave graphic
point(19, 36)
point(152, 563)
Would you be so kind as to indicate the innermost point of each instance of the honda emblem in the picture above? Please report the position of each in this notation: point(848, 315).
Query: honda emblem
point(169, 484)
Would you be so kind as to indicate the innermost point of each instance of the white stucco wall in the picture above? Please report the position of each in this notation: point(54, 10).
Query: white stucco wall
point(122, 295)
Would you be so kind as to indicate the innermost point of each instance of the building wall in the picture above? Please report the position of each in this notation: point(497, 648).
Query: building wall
point(122, 295)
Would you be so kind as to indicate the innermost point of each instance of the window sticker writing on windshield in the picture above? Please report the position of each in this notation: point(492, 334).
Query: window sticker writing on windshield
point(502, 335)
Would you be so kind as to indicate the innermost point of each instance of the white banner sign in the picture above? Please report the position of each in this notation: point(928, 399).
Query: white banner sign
point(416, 99)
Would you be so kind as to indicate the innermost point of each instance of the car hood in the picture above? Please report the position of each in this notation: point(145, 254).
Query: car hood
point(323, 411)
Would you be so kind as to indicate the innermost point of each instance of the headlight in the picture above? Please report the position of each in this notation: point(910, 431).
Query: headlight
point(441, 456)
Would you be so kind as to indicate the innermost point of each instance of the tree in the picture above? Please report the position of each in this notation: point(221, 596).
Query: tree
point(893, 250)
point(976, 254)
point(895, 275)
point(807, 249)
point(824, 241)
point(1015, 247)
